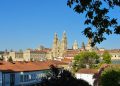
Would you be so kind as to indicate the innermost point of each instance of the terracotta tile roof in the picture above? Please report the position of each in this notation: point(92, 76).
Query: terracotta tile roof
point(110, 65)
point(110, 51)
point(88, 71)
point(66, 60)
point(71, 53)
point(27, 66)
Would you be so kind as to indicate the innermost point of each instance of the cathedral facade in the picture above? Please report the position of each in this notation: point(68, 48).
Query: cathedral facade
point(59, 46)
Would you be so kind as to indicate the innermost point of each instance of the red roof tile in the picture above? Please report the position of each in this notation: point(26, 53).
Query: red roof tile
point(88, 71)
point(27, 66)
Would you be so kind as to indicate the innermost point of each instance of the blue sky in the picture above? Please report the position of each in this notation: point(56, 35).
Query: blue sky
point(30, 23)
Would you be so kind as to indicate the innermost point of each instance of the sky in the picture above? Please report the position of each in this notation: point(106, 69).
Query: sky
point(31, 23)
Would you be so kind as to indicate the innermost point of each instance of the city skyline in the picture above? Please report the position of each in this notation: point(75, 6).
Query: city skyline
point(28, 24)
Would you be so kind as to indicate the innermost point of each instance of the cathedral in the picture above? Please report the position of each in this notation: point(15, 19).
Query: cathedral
point(59, 46)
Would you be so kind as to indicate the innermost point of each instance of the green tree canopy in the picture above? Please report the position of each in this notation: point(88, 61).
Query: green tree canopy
point(10, 59)
point(106, 57)
point(85, 58)
point(2, 58)
point(98, 22)
point(110, 77)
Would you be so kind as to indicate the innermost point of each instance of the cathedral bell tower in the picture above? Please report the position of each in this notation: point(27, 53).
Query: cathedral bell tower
point(63, 46)
point(59, 47)
point(75, 45)
point(89, 47)
point(55, 46)
point(64, 41)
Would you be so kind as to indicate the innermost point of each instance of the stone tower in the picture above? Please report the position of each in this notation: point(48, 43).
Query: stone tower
point(89, 47)
point(63, 45)
point(75, 45)
point(83, 46)
point(55, 46)
point(64, 41)
point(59, 47)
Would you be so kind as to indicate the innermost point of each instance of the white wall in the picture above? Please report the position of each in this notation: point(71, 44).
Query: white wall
point(86, 77)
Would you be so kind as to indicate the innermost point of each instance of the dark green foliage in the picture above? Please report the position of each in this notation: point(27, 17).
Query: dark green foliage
point(106, 57)
point(85, 58)
point(10, 59)
point(59, 77)
point(2, 58)
point(110, 77)
point(96, 18)
point(31, 59)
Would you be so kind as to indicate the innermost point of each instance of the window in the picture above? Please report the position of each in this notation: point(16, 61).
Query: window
point(30, 77)
point(12, 79)
point(21, 78)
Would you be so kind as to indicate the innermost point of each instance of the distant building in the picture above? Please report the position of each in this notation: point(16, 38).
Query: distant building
point(16, 56)
point(101, 49)
point(83, 46)
point(75, 45)
point(88, 46)
point(41, 47)
point(35, 55)
point(70, 53)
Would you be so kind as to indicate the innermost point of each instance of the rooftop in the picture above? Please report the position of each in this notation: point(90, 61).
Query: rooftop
point(27, 66)
point(88, 71)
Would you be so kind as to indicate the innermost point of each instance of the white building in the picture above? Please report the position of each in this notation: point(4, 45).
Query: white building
point(87, 75)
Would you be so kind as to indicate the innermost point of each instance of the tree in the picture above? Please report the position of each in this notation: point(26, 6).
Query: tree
point(2, 58)
point(10, 59)
point(31, 59)
point(106, 57)
point(58, 77)
point(84, 59)
point(110, 77)
point(97, 20)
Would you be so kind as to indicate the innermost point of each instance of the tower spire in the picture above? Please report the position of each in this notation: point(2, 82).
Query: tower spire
point(55, 35)
point(55, 46)
point(64, 35)
point(89, 47)
point(75, 45)
point(83, 46)
point(89, 41)
point(64, 41)
point(55, 38)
